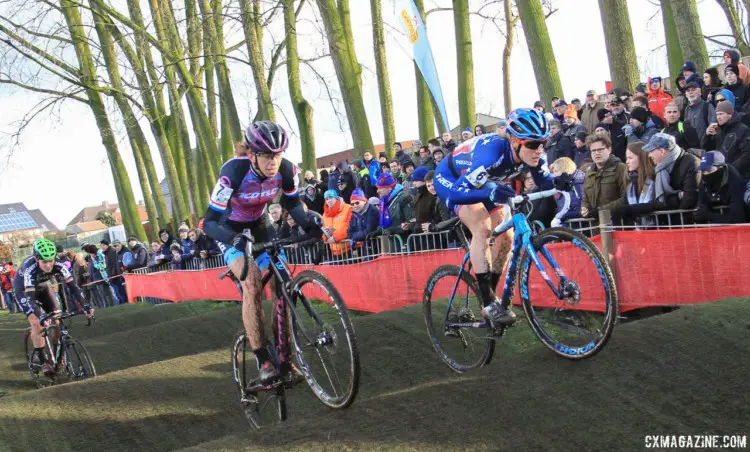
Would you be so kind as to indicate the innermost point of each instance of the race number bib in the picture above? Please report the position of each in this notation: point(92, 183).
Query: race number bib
point(478, 177)
point(221, 194)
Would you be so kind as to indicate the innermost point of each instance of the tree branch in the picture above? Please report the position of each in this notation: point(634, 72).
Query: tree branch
point(38, 34)
point(44, 54)
point(73, 96)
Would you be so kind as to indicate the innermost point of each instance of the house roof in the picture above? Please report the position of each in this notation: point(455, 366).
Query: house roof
point(42, 220)
point(89, 213)
point(12, 208)
point(351, 154)
point(142, 214)
point(86, 226)
point(485, 120)
point(15, 220)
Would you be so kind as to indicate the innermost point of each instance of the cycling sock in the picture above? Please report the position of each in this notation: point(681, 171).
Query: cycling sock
point(40, 353)
point(484, 280)
point(262, 355)
point(495, 280)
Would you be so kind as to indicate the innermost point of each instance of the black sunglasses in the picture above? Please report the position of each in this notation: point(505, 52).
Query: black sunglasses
point(533, 145)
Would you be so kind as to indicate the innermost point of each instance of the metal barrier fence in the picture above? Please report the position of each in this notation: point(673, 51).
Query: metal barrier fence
point(661, 219)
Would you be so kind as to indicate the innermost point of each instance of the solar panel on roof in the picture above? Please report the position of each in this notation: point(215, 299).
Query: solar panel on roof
point(16, 221)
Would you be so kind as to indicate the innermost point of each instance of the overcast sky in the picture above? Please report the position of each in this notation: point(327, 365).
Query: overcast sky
point(61, 166)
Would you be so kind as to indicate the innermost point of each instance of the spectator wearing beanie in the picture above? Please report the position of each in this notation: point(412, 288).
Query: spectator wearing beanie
point(438, 155)
point(363, 173)
point(336, 218)
point(721, 185)
point(657, 98)
point(735, 85)
point(601, 128)
point(617, 118)
point(560, 108)
point(555, 136)
point(679, 93)
point(187, 245)
point(641, 127)
point(177, 262)
point(581, 154)
point(424, 201)
point(730, 137)
point(689, 72)
point(313, 199)
point(140, 254)
point(698, 113)
point(466, 134)
point(676, 177)
point(732, 56)
point(365, 218)
point(588, 112)
point(166, 239)
point(684, 134)
point(396, 209)
point(571, 128)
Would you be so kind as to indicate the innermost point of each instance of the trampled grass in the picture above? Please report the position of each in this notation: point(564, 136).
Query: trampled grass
point(165, 384)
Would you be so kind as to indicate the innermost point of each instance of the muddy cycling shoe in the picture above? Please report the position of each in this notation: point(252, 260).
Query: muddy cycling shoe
point(267, 373)
point(498, 315)
point(48, 370)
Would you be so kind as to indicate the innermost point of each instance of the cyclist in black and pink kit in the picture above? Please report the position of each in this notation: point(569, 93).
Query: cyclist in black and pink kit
point(248, 183)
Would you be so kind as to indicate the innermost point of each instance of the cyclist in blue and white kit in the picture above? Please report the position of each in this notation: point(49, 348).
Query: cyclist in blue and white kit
point(472, 180)
point(248, 183)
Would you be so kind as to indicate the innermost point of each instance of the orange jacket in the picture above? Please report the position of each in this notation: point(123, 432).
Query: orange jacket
point(338, 218)
point(657, 101)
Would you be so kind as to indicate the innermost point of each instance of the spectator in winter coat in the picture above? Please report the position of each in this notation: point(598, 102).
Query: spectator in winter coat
point(396, 171)
point(424, 201)
point(570, 129)
point(166, 239)
point(438, 155)
point(639, 195)
point(617, 118)
point(186, 244)
point(732, 56)
point(641, 128)
point(642, 101)
point(345, 188)
point(676, 177)
point(555, 135)
point(689, 72)
point(313, 199)
point(140, 255)
point(606, 181)
point(568, 207)
point(110, 258)
point(588, 115)
point(155, 258)
point(333, 176)
point(426, 158)
point(466, 135)
point(324, 179)
point(679, 94)
point(731, 137)
point(274, 213)
point(310, 178)
point(204, 245)
point(698, 113)
point(364, 219)
point(479, 130)
point(177, 263)
point(560, 108)
point(373, 168)
point(441, 218)
point(448, 144)
point(396, 208)
point(657, 98)
point(721, 185)
point(602, 128)
point(543, 210)
point(735, 85)
point(712, 84)
point(336, 218)
point(400, 154)
point(684, 134)
point(581, 153)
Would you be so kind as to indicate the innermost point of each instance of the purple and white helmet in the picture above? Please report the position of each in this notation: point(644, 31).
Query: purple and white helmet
point(265, 136)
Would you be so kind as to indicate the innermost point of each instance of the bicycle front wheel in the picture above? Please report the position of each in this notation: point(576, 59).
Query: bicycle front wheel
point(78, 362)
point(572, 304)
point(261, 407)
point(446, 296)
point(324, 341)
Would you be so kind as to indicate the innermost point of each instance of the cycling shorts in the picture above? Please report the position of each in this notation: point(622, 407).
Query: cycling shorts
point(260, 232)
point(444, 187)
point(46, 301)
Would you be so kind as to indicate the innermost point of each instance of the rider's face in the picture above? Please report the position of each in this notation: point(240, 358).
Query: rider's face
point(531, 157)
point(269, 163)
point(46, 267)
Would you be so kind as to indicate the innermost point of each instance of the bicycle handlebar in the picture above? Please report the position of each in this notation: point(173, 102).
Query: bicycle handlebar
point(520, 199)
point(62, 316)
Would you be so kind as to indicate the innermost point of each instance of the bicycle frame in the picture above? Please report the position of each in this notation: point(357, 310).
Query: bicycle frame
point(522, 240)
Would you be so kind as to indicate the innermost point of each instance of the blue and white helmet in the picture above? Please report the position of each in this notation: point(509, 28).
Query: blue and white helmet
point(527, 124)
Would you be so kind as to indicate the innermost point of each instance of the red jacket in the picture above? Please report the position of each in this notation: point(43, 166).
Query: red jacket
point(657, 101)
point(7, 280)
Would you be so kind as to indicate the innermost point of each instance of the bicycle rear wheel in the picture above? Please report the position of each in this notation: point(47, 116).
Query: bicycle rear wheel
point(579, 322)
point(324, 341)
point(262, 407)
point(461, 349)
point(78, 363)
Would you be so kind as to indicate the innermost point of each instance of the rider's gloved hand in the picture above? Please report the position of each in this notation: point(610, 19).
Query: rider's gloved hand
point(501, 193)
point(240, 240)
point(564, 182)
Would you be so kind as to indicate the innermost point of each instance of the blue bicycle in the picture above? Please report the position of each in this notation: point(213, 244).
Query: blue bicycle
point(574, 306)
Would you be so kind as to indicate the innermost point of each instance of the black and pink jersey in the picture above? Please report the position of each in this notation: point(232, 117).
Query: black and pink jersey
point(242, 194)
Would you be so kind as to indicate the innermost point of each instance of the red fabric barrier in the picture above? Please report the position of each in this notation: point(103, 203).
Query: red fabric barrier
point(654, 268)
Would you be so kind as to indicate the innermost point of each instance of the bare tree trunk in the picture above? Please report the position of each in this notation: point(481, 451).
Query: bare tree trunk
point(689, 33)
point(674, 52)
point(465, 63)
point(618, 35)
point(381, 69)
point(510, 26)
point(254, 40)
point(540, 49)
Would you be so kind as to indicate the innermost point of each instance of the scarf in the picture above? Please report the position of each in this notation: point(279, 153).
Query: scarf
point(385, 203)
point(663, 173)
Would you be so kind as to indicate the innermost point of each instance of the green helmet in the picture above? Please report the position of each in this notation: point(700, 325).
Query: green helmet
point(44, 250)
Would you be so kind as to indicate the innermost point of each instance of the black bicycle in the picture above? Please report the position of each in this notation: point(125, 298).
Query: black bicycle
point(302, 319)
point(68, 357)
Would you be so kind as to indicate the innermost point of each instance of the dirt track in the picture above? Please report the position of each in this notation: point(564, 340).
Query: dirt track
point(165, 384)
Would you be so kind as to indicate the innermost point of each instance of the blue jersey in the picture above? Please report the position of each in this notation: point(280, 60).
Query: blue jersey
point(469, 173)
